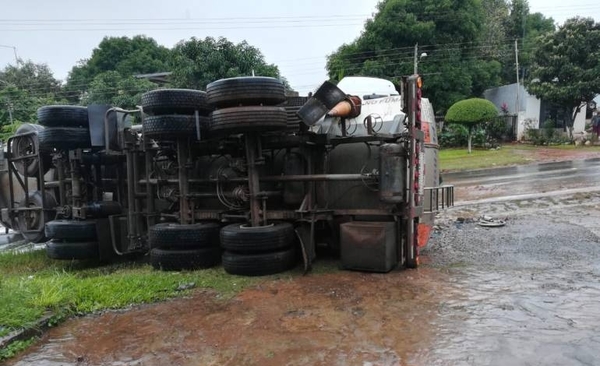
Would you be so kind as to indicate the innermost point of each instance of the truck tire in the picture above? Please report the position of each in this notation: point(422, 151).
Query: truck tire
point(174, 126)
point(71, 230)
point(22, 146)
point(64, 138)
point(186, 237)
point(248, 119)
point(63, 116)
point(32, 220)
point(259, 264)
point(72, 250)
point(175, 101)
point(246, 91)
point(251, 240)
point(179, 260)
point(292, 106)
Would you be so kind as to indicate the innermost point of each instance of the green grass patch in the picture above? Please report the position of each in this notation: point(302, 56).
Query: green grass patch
point(460, 159)
point(31, 285)
point(15, 348)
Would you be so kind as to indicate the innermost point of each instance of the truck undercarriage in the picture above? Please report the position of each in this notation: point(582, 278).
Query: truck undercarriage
point(239, 174)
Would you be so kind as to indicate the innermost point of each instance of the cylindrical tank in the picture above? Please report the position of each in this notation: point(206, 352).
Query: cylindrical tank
point(392, 173)
point(356, 158)
point(293, 193)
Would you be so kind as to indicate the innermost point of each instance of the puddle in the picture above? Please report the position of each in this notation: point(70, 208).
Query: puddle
point(524, 294)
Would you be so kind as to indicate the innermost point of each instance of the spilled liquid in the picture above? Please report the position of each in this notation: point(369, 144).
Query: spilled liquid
point(526, 294)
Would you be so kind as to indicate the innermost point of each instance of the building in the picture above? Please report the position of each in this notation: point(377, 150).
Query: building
point(531, 112)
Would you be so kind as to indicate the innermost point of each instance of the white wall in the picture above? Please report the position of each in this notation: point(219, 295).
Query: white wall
point(579, 124)
point(530, 117)
point(528, 110)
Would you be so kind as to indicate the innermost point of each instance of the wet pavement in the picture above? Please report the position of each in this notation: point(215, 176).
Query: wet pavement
point(524, 294)
point(526, 179)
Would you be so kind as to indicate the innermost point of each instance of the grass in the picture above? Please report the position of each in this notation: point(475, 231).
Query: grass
point(15, 348)
point(460, 159)
point(31, 285)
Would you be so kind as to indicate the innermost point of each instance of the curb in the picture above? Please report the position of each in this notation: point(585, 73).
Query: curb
point(36, 329)
point(529, 196)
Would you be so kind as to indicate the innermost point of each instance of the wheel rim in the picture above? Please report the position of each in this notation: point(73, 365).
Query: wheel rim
point(24, 146)
point(31, 219)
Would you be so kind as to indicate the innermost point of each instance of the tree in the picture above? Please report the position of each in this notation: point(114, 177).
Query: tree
point(23, 89)
point(449, 31)
point(27, 75)
point(525, 27)
point(197, 62)
point(566, 66)
point(126, 56)
point(471, 112)
point(113, 89)
point(495, 28)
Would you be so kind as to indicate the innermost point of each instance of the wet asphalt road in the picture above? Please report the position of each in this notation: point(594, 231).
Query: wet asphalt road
point(527, 179)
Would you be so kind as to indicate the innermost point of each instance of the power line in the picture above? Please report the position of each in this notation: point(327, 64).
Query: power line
point(269, 19)
point(62, 25)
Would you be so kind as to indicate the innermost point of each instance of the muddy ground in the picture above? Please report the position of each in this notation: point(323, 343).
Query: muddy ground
point(546, 155)
point(524, 294)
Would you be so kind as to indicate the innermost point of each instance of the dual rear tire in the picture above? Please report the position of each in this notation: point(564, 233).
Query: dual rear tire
point(176, 247)
point(72, 239)
point(258, 251)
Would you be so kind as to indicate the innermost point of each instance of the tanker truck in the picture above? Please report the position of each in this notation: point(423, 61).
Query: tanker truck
point(241, 175)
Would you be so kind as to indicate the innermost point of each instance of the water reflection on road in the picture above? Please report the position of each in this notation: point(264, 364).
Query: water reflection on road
point(545, 317)
point(529, 179)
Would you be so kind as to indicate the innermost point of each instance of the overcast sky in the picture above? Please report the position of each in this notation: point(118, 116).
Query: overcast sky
point(296, 35)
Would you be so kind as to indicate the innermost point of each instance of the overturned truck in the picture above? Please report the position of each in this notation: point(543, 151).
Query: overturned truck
point(239, 174)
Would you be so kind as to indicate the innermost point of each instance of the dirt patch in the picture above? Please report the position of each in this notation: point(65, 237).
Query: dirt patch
point(548, 155)
point(343, 318)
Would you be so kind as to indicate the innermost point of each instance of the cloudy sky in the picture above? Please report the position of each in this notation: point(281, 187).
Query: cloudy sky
point(296, 35)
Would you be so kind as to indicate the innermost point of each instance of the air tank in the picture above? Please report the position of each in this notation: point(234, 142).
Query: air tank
point(392, 173)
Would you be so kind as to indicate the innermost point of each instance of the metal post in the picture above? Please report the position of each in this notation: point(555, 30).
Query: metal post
point(10, 110)
point(517, 107)
point(182, 158)
point(131, 221)
point(253, 179)
point(150, 219)
point(416, 62)
point(75, 182)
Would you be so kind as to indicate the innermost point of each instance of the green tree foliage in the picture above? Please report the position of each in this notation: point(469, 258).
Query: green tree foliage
point(26, 75)
point(471, 112)
point(123, 55)
point(112, 88)
point(566, 65)
point(449, 31)
point(526, 27)
point(198, 62)
point(494, 32)
point(23, 89)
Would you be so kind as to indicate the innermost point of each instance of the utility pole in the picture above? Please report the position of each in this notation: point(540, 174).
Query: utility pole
point(416, 58)
point(518, 79)
point(10, 110)
point(15, 52)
